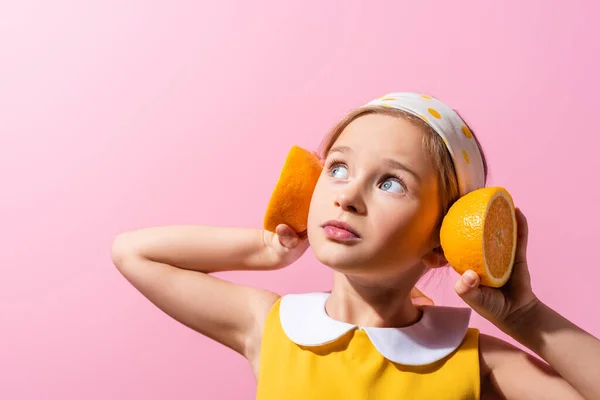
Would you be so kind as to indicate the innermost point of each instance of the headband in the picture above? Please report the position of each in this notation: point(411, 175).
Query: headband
point(459, 140)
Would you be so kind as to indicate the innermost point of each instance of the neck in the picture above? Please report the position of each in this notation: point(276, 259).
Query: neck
point(363, 302)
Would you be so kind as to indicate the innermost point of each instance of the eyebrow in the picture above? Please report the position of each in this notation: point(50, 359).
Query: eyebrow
point(388, 162)
point(340, 149)
point(398, 165)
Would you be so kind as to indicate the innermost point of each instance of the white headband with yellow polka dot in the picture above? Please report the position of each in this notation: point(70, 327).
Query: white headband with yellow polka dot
point(463, 148)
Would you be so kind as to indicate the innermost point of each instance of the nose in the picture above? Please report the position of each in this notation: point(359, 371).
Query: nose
point(350, 199)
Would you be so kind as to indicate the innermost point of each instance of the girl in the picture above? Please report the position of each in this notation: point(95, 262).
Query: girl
point(391, 171)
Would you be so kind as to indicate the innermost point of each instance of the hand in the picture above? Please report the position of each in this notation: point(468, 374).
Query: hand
point(318, 155)
point(284, 245)
point(499, 305)
point(419, 298)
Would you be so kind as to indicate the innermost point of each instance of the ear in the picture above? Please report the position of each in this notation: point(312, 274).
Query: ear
point(435, 258)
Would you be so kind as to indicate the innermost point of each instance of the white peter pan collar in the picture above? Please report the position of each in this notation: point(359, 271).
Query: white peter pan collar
point(437, 334)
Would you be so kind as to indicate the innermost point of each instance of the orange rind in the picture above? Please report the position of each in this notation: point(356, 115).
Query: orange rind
point(290, 201)
point(479, 233)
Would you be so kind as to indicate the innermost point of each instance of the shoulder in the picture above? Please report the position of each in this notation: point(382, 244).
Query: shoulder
point(513, 372)
point(495, 352)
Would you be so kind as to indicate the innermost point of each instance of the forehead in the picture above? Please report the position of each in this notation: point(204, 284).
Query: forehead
point(384, 136)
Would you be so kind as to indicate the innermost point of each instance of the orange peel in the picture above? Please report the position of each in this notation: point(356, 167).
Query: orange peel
point(290, 201)
point(479, 233)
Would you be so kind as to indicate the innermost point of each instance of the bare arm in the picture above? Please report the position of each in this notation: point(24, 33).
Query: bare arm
point(171, 266)
point(514, 374)
point(573, 355)
point(570, 351)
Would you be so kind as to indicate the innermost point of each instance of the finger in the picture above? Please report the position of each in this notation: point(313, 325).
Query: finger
point(422, 301)
point(522, 236)
point(287, 236)
point(316, 154)
point(467, 287)
point(415, 292)
point(419, 298)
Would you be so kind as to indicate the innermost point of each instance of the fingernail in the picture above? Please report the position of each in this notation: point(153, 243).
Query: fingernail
point(469, 278)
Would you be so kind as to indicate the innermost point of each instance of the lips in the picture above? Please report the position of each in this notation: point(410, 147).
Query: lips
point(338, 230)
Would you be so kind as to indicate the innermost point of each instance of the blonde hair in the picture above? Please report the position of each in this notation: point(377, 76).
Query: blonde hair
point(432, 143)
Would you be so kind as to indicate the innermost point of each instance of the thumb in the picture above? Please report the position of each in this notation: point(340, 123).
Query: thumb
point(467, 287)
point(522, 237)
point(287, 236)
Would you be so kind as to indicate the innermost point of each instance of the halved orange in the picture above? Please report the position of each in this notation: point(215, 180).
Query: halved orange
point(290, 200)
point(479, 233)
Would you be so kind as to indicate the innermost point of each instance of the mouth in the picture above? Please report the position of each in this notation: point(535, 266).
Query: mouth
point(340, 231)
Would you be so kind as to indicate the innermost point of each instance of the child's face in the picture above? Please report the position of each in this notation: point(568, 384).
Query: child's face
point(366, 183)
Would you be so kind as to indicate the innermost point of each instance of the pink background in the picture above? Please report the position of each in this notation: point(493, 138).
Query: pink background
point(122, 114)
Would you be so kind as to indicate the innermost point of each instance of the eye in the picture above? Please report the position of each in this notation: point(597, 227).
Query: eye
point(339, 171)
point(393, 185)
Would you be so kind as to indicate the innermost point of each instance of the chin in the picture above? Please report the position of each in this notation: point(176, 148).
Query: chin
point(339, 257)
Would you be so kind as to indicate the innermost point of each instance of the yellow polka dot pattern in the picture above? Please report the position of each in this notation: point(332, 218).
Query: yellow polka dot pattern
point(467, 132)
point(434, 113)
point(455, 133)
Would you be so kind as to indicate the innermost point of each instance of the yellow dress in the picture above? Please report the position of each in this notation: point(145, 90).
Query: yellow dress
point(305, 354)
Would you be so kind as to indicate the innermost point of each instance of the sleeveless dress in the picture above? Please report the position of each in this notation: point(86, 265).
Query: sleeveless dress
point(305, 354)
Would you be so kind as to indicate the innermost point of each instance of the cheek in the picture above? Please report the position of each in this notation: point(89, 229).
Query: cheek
point(427, 219)
point(418, 231)
point(398, 228)
point(316, 203)
point(391, 226)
